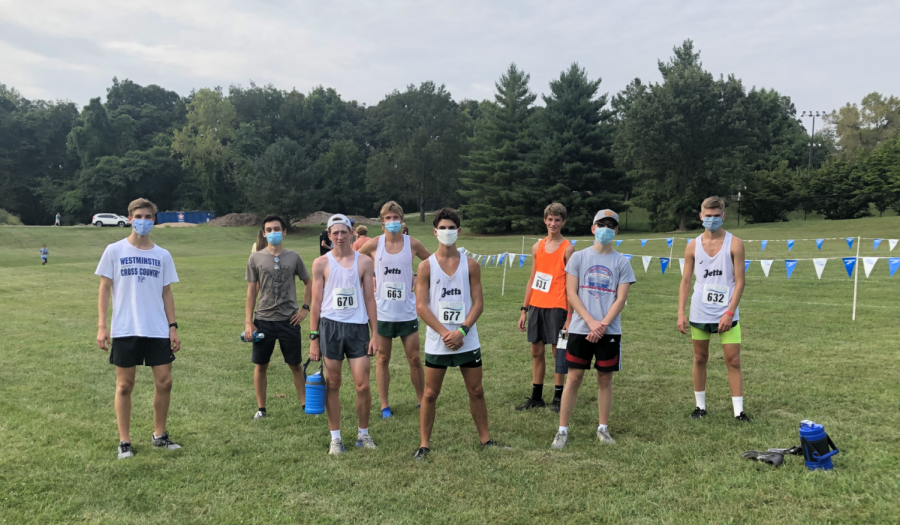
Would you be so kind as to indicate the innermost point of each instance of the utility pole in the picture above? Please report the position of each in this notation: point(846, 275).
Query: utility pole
point(812, 137)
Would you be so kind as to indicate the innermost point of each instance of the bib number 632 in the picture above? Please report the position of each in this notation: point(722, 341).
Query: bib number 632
point(715, 294)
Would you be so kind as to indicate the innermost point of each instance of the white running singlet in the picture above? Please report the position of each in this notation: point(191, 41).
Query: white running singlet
point(713, 283)
point(450, 299)
point(342, 300)
point(394, 285)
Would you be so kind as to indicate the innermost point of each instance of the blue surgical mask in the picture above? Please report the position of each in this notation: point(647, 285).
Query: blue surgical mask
point(142, 226)
point(393, 226)
point(274, 238)
point(712, 223)
point(604, 235)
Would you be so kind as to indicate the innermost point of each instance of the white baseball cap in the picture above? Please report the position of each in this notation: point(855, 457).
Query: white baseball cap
point(603, 214)
point(339, 219)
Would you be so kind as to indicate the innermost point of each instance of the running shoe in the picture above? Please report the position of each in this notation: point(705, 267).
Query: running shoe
point(386, 413)
point(365, 441)
point(604, 437)
point(742, 417)
point(555, 404)
point(493, 444)
point(698, 413)
point(560, 441)
point(421, 453)
point(260, 414)
point(336, 448)
point(125, 450)
point(531, 403)
point(163, 441)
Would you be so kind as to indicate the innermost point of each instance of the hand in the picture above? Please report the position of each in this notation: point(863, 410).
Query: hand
point(522, 321)
point(568, 322)
point(682, 324)
point(298, 317)
point(373, 347)
point(174, 340)
point(598, 328)
point(453, 339)
point(725, 323)
point(314, 353)
point(249, 329)
point(103, 338)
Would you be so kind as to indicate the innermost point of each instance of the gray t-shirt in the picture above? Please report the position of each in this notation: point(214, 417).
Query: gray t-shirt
point(277, 299)
point(599, 277)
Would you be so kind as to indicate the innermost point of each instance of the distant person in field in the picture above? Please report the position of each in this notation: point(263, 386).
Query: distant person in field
point(362, 235)
point(272, 309)
point(449, 300)
point(325, 244)
point(405, 229)
point(353, 234)
point(343, 313)
point(546, 307)
point(597, 283)
point(716, 260)
point(395, 283)
point(260, 243)
point(58, 218)
point(44, 253)
point(138, 274)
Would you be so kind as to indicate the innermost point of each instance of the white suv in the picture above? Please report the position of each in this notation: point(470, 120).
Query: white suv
point(110, 219)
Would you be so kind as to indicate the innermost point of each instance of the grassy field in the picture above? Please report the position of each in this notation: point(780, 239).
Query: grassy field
point(803, 358)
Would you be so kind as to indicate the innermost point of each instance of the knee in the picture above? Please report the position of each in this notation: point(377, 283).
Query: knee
point(362, 388)
point(733, 361)
point(164, 384)
point(476, 392)
point(415, 362)
point(537, 351)
point(333, 384)
point(701, 357)
point(124, 388)
point(431, 394)
point(383, 358)
point(604, 380)
point(573, 380)
point(297, 369)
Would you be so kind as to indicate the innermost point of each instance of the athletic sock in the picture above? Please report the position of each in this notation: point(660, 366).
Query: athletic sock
point(262, 409)
point(335, 434)
point(738, 403)
point(602, 427)
point(557, 392)
point(363, 431)
point(537, 392)
point(701, 399)
point(564, 430)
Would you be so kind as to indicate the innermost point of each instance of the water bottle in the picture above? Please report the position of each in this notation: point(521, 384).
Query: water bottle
point(817, 446)
point(257, 337)
point(315, 391)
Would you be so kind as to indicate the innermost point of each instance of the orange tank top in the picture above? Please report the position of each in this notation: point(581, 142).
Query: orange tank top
point(548, 290)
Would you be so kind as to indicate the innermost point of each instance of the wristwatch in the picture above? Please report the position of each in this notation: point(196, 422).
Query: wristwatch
point(174, 325)
point(305, 307)
point(523, 308)
point(464, 329)
point(313, 335)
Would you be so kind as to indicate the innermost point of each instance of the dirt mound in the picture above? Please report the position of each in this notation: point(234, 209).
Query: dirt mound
point(321, 217)
point(178, 224)
point(235, 219)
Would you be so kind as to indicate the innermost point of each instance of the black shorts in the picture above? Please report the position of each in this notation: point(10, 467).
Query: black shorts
point(127, 352)
point(337, 339)
point(288, 337)
point(607, 352)
point(544, 324)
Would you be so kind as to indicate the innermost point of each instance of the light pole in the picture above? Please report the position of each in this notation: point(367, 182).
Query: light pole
point(812, 135)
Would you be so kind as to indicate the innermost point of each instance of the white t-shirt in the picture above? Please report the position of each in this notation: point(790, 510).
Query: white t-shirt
point(138, 278)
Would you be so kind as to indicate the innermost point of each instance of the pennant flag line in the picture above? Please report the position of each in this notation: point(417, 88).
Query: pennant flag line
point(664, 263)
point(850, 242)
point(875, 243)
point(669, 241)
point(790, 264)
point(790, 244)
point(627, 256)
point(746, 266)
point(501, 259)
point(892, 243)
point(893, 263)
point(819, 244)
point(646, 259)
point(766, 266)
point(820, 266)
point(521, 260)
point(618, 243)
point(681, 263)
point(763, 244)
point(643, 242)
point(573, 242)
point(849, 263)
point(868, 264)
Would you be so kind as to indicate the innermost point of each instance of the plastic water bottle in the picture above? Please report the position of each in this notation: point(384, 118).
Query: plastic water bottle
point(817, 446)
point(257, 337)
point(315, 392)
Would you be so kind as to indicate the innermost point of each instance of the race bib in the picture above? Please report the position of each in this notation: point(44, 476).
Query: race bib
point(715, 294)
point(542, 281)
point(452, 313)
point(345, 298)
point(393, 291)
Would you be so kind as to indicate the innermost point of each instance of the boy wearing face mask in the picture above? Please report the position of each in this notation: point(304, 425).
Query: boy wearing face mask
point(137, 274)
point(270, 277)
point(597, 283)
point(716, 259)
point(395, 296)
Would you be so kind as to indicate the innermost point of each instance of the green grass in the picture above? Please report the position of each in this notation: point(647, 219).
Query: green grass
point(803, 358)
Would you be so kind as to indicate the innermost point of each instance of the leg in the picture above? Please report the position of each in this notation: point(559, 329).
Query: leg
point(124, 386)
point(604, 395)
point(434, 378)
point(333, 392)
point(416, 370)
point(360, 368)
point(733, 362)
point(299, 382)
point(570, 394)
point(382, 368)
point(260, 383)
point(538, 363)
point(701, 356)
point(477, 405)
point(559, 379)
point(162, 380)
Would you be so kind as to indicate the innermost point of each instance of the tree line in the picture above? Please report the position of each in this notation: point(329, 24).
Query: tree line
point(662, 145)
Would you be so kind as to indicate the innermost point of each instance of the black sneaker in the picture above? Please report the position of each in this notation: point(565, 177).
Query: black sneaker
point(742, 418)
point(555, 404)
point(531, 403)
point(125, 450)
point(421, 453)
point(698, 413)
point(163, 441)
point(493, 444)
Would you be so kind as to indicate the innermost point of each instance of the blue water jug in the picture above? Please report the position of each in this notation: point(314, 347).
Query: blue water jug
point(315, 391)
point(817, 446)
point(257, 337)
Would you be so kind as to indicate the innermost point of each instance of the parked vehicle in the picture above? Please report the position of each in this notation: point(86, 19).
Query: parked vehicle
point(110, 219)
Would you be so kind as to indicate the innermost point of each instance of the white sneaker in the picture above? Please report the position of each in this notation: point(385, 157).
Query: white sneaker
point(604, 437)
point(125, 450)
point(560, 441)
point(260, 414)
point(336, 448)
point(365, 441)
point(163, 441)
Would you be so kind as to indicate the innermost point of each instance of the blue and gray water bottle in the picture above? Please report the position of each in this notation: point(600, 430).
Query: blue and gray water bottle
point(257, 337)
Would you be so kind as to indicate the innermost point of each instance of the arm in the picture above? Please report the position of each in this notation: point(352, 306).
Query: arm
point(102, 309)
point(737, 259)
point(423, 285)
point(419, 249)
point(455, 338)
point(569, 252)
point(318, 290)
point(685, 289)
point(576, 305)
point(169, 306)
point(369, 247)
point(252, 292)
point(528, 288)
point(366, 268)
point(301, 314)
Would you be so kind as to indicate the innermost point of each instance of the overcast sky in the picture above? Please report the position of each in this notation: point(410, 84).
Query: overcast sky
point(822, 54)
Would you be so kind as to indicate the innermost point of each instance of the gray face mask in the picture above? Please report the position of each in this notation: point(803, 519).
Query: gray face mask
point(712, 223)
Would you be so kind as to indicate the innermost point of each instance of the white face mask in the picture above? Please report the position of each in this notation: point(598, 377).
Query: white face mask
point(447, 237)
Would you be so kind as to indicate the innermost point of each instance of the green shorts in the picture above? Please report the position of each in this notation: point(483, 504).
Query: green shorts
point(471, 359)
point(703, 331)
point(398, 329)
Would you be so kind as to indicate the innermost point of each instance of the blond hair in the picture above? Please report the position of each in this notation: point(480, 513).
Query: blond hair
point(555, 209)
point(391, 206)
point(141, 203)
point(713, 203)
point(362, 230)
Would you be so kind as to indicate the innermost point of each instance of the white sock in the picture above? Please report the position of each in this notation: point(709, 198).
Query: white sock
point(701, 399)
point(363, 431)
point(602, 427)
point(564, 430)
point(335, 434)
point(738, 403)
